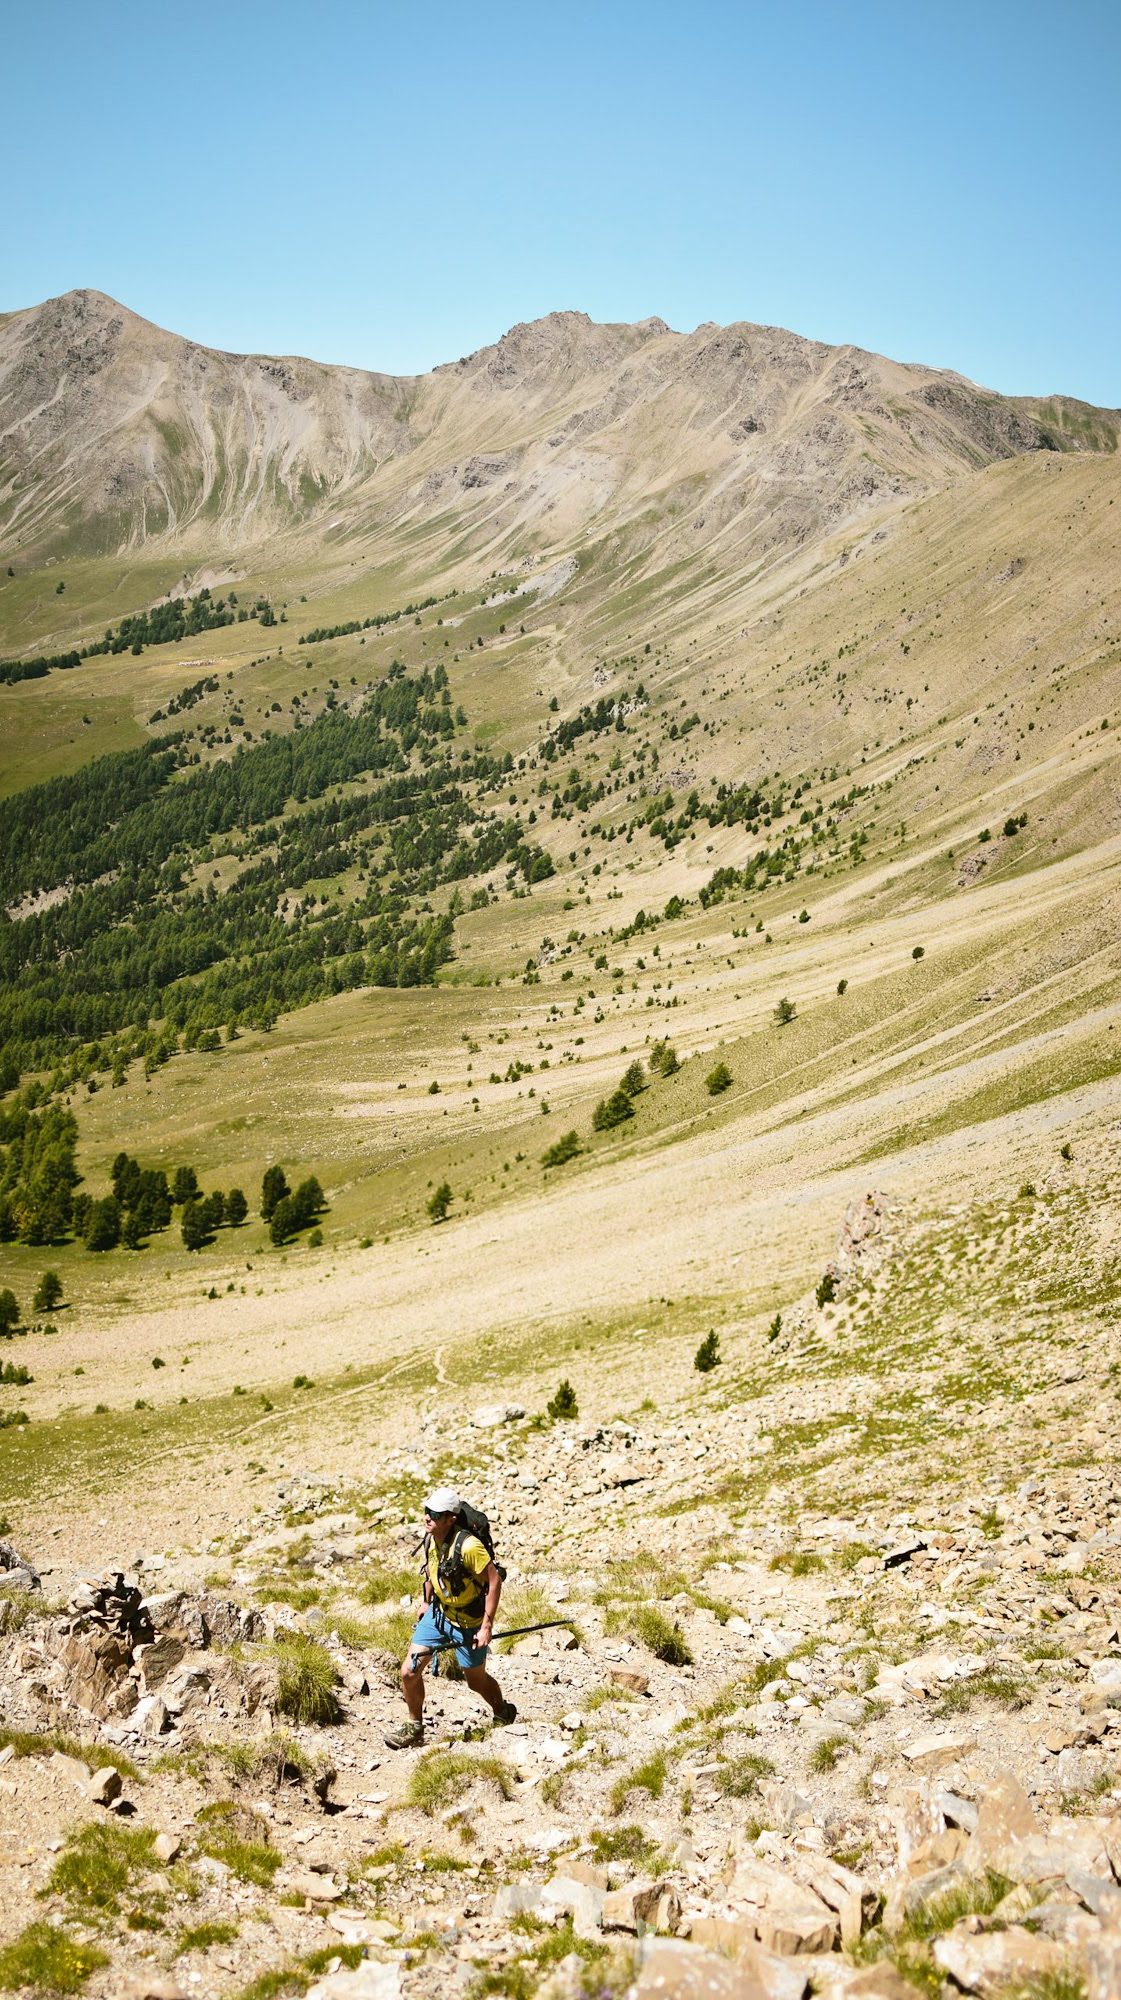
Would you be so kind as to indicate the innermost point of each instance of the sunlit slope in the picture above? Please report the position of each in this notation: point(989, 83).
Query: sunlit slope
point(116, 435)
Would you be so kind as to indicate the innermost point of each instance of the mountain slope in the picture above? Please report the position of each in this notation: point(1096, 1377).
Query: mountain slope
point(115, 434)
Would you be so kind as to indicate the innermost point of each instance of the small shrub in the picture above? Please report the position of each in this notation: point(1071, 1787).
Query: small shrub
point(440, 1202)
point(827, 1290)
point(565, 1149)
point(919, 952)
point(798, 1562)
point(718, 1079)
point(306, 1680)
point(1027, 1191)
point(624, 1843)
point(775, 1327)
point(842, 986)
point(1066, 1151)
point(784, 1012)
point(707, 1355)
point(564, 1403)
point(387, 1585)
point(977, 1897)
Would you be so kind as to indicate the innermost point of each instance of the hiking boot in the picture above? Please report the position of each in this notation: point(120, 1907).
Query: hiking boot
point(407, 1735)
point(507, 1713)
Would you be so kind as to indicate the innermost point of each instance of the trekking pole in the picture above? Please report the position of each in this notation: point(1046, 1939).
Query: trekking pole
point(514, 1632)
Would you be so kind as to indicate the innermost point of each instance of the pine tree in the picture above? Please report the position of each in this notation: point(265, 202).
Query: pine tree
point(103, 1231)
point(237, 1208)
point(564, 1403)
point(274, 1187)
point(48, 1292)
point(707, 1355)
point(193, 1225)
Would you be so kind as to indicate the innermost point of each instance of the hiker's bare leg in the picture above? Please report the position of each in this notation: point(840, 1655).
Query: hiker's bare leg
point(412, 1682)
point(480, 1682)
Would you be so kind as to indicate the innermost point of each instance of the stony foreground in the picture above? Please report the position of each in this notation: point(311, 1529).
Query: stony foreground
point(835, 1706)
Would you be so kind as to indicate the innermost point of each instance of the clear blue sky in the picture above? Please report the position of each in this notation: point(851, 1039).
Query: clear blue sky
point(392, 186)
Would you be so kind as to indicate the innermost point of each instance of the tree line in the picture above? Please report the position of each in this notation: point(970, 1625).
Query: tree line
point(42, 1202)
point(135, 940)
point(180, 618)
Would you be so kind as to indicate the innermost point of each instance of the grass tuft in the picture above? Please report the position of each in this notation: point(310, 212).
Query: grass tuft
point(201, 1936)
point(442, 1776)
point(99, 1863)
point(824, 1755)
point(43, 1743)
point(740, 1777)
point(649, 1777)
point(306, 1680)
point(48, 1960)
point(239, 1839)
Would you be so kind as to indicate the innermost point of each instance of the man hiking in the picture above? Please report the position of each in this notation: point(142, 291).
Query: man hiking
point(462, 1584)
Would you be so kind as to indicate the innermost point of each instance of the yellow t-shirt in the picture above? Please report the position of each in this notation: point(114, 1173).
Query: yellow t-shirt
point(474, 1558)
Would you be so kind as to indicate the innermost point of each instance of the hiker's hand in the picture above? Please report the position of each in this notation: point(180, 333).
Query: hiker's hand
point(484, 1632)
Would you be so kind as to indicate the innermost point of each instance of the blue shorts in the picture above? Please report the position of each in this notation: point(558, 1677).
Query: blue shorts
point(434, 1628)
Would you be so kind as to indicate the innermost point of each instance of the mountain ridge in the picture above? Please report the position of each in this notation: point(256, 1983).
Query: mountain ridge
point(117, 434)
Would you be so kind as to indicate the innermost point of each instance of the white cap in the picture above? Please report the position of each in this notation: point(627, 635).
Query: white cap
point(445, 1500)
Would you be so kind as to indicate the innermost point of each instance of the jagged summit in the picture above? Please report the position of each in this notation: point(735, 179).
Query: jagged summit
point(115, 432)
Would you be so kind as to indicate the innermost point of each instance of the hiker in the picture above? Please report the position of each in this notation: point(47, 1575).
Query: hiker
point(461, 1586)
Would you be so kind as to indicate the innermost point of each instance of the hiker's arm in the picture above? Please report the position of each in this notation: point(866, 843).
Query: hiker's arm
point(494, 1592)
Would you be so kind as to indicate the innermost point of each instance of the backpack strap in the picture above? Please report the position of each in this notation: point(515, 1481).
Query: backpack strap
point(454, 1576)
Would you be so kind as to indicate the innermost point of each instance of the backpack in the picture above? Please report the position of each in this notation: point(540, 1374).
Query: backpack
point(451, 1570)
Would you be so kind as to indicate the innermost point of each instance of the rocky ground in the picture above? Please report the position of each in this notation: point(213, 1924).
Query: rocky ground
point(836, 1710)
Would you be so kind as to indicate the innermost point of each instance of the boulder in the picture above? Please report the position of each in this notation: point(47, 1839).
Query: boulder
point(931, 1753)
point(1004, 1816)
point(676, 1971)
point(625, 1677)
point(104, 1786)
point(990, 1962)
point(16, 1572)
point(157, 1659)
point(583, 1903)
point(779, 1978)
point(788, 1917)
point(314, 1888)
point(369, 1981)
point(640, 1904)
